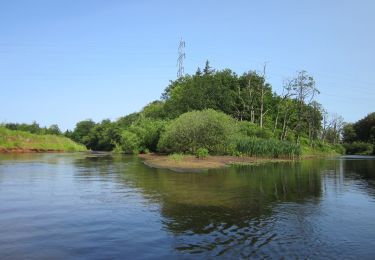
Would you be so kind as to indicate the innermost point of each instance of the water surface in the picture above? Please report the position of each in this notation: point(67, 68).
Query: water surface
point(99, 206)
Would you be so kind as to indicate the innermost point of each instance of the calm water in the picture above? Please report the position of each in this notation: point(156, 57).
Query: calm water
point(59, 206)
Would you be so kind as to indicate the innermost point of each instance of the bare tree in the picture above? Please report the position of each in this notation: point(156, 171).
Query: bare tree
point(337, 126)
point(304, 88)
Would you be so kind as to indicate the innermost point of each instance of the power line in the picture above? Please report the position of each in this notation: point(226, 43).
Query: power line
point(181, 57)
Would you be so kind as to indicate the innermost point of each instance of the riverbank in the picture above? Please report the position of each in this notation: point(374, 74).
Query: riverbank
point(192, 163)
point(12, 141)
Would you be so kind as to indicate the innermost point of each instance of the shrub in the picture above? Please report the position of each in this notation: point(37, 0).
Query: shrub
point(176, 156)
point(358, 148)
point(129, 142)
point(201, 153)
point(148, 131)
point(207, 129)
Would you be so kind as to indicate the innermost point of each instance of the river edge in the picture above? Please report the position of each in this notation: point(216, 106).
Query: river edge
point(192, 163)
point(29, 150)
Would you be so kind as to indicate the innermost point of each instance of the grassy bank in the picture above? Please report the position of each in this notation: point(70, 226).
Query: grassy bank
point(19, 141)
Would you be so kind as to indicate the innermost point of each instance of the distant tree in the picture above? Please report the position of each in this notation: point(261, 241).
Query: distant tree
point(365, 128)
point(208, 70)
point(304, 88)
point(53, 130)
point(82, 130)
point(336, 125)
point(155, 110)
point(349, 134)
point(198, 72)
point(128, 120)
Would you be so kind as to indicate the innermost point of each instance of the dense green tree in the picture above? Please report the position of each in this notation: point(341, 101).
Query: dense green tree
point(349, 134)
point(365, 129)
point(103, 136)
point(82, 130)
point(128, 120)
point(154, 110)
point(53, 130)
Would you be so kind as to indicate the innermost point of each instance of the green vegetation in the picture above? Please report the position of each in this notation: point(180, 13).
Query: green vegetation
point(34, 128)
point(359, 138)
point(254, 146)
point(21, 140)
point(225, 113)
point(198, 129)
point(176, 156)
point(201, 153)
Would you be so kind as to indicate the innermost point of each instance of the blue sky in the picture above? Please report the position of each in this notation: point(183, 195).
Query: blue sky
point(64, 61)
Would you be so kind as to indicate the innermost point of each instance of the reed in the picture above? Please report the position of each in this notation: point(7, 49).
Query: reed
point(272, 148)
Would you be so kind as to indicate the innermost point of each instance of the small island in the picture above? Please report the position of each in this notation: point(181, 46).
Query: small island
point(183, 163)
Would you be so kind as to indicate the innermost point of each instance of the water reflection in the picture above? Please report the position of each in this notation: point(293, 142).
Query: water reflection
point(291, 210)
point(220, 209)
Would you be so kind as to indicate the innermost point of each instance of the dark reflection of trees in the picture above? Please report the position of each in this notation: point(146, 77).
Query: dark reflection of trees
point(222, 204)
point(234, 196)
point(365, 169)
point(362, 171)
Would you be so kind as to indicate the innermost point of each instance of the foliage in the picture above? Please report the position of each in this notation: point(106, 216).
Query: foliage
point(359, 137)
point(250, 129)
point(359, 148)
point(365, 129)
point(34, 128)
point(130, 142)
point(253, 146)
point(176, 156)
point(198, 129)
point(148, 131)
point(103, 136)
point(81, 131)
point(154, 110)
point(201, 153)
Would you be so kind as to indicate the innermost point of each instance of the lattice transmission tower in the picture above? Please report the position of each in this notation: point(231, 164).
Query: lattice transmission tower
point(181, 58)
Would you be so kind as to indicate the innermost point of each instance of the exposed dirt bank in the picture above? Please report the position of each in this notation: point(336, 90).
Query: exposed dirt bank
point(27, 150)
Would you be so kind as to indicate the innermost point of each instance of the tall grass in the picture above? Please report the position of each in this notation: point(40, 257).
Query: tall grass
point(14, 139)
point(253, 146)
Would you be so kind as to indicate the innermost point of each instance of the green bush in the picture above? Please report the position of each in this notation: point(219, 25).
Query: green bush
point(130, 142)
point(253, 146)
point(207, 129)
point(148, 131)
point(201, 153)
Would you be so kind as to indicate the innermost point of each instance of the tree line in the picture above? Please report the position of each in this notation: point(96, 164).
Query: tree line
point(257, 111)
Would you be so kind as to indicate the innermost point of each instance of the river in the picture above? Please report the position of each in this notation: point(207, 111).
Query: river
point(101, 206)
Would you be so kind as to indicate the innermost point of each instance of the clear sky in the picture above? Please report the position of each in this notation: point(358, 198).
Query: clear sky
point(63, 61)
